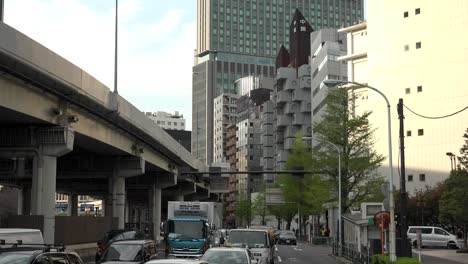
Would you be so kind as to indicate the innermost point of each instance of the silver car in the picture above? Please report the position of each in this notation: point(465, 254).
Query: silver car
point(432, 236)
point(228, 256)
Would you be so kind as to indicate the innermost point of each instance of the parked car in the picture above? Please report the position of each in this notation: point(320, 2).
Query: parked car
point(176, 261)
point(116, 235)
point(228, 256)
point(287, 237)
point(432, 236)
point(129, 251)
point(35, 254)
point(26, 236)
point(257, 240)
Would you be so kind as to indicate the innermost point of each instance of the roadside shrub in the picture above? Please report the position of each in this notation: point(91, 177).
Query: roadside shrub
point(379, 259)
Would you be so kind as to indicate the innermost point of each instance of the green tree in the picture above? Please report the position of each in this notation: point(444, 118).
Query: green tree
point(452, 205)
point(244, 210)
point(284, 212)
point(463, 158)
point(259, 207)
point(304, 192)
point(353, 135)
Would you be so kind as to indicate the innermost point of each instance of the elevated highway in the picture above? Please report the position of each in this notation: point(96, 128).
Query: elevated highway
point(61, 130)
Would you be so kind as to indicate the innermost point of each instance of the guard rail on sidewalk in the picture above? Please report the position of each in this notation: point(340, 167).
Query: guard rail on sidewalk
point(349, 253)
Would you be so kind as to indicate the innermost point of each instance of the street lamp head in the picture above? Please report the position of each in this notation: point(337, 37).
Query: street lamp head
point(333, 82)
point(450, 154)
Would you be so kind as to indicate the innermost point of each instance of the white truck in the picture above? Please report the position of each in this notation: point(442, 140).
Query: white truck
point(188, 226)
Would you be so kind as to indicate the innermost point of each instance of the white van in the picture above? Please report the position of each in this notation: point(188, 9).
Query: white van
point(432, 236)
point(27, 236)
point(257, 240)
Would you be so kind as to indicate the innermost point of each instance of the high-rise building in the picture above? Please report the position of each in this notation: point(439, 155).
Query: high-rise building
point(237, 38)
point(165, 120)
point(406, 53)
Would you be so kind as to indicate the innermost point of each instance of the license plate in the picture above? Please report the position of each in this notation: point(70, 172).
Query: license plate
point(287, 241)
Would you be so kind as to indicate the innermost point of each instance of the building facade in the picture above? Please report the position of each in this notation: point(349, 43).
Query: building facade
point(239, 38)
point(327, 45)
point(225, 113)
point(421, 68)
point(165, 120)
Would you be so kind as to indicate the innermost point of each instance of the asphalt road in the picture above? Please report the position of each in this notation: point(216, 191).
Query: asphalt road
point(304, 254)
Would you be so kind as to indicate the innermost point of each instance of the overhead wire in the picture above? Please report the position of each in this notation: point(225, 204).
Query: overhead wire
point(435, 117)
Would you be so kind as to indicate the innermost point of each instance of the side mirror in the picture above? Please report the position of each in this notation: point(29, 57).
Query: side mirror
point(147, 257)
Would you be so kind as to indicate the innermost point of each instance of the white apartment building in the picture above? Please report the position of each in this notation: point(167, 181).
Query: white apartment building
point(225, 108)
point(166, 120)
point(326, 46)
point(414, 50)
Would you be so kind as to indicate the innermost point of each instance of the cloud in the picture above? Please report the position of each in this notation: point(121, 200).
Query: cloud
point(155, 51)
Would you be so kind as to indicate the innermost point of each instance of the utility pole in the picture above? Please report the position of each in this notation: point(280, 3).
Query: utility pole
point(116, 41)
point(1, 10)
point(403, 194)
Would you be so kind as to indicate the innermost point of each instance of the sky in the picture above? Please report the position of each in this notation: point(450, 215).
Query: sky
point(157, 39)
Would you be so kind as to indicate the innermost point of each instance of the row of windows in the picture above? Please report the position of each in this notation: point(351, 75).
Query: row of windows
point(417, 11)
point(420, 133)
point(169, 123)
point(419, 89)
point(418, 45)
point(422, 177)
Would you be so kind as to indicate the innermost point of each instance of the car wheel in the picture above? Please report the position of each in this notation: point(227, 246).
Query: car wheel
point(451, 245)
point(415, 244)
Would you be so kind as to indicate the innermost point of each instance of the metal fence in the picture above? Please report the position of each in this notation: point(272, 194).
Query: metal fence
point(350, 253)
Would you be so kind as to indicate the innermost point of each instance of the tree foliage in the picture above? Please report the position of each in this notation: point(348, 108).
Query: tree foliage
point(453, 206)
point(244, 210)
point(259, 207)
point(423, 205)
point(284, 212)
point(463, 158)
point(305, 192)
point(353, 135)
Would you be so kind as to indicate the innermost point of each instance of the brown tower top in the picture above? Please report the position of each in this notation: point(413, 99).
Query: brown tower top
point(299, 37)
point(282, 59)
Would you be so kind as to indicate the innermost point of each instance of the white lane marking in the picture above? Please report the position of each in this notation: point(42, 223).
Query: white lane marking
point(279, 259)
point(298, 249)
point(276, 248)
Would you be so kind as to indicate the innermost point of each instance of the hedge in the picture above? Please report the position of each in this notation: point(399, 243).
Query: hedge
point(379, 259)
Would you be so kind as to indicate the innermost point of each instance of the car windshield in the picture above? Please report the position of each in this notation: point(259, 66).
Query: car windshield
point(253, 239)
point(186, 229)
point(123, 252)
point(14, 258)
point(225, 257)
point(287, 234)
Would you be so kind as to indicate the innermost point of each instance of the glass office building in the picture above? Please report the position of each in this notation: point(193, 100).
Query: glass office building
point(237, 38)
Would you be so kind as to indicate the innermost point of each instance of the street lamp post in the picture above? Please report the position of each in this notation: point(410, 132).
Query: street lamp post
point(453, 161)
point(339, 181)
point(332, 83)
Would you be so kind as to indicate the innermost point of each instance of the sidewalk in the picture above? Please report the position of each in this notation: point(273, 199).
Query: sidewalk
point(448, 256)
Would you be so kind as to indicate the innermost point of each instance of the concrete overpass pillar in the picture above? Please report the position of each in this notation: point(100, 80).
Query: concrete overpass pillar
point(110, 197)
point(53, 142)
point(156, 211)
point(24, 201)
point(73, 204)
point(118, 206)
point(36, 194)
point(123, 167)
point(20, 201)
